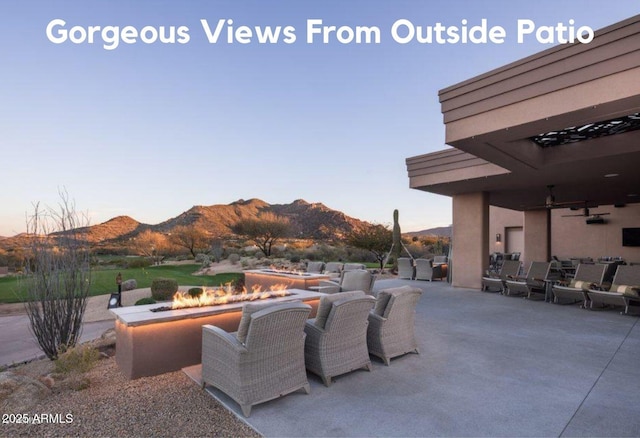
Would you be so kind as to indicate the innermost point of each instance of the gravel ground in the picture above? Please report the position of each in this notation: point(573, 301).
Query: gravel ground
point(170, 405)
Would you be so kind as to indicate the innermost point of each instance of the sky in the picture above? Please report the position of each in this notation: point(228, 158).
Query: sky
point(149, 127)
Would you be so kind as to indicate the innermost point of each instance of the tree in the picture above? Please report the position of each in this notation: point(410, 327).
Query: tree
point(151, 244)
point(263, 230)
point(57, 276)
point(189, 237)
point(376, 239)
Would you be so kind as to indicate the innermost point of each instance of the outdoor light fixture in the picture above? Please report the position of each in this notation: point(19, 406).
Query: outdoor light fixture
point(498, 238)
point(113, 301)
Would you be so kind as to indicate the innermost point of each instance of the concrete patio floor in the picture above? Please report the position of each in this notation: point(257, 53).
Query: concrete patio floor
point(489, 365)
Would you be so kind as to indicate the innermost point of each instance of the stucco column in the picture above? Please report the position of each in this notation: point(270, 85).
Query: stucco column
point(470, 239)
point(536, 237)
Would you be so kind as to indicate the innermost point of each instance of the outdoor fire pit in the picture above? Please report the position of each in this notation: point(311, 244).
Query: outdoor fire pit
point(149, 343)
point(266, 278)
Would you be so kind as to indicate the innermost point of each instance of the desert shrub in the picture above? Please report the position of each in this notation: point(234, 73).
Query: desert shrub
point(294, 258)
point(129, 284)
point(195, 292)
point(145, 300)
point(181, 258)
point(163, 289)
point(78, 359)
point(202, 258)
point(259, 255)
point(234, 258)
point(138, 262)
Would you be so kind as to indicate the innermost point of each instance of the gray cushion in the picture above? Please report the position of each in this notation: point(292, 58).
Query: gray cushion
point(326, 302)
point(247, 310)
point(385, 299)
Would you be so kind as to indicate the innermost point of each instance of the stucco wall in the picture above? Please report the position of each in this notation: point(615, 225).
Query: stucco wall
point(470, 239)
point(571, 236)
point(500, 220)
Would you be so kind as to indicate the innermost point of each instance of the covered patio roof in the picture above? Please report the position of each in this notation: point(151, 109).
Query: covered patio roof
point(495, 123)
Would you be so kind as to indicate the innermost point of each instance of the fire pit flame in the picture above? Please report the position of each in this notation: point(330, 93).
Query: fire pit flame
point(223, 295)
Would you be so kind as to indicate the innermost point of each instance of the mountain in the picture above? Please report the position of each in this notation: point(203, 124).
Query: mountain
point(308, 220)
point(439, 231)
point(117, 228)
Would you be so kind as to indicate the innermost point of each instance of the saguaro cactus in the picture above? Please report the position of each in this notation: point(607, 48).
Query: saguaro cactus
point(397, 244)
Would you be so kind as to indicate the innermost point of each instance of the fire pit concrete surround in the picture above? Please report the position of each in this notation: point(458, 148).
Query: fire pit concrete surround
point(151, 343)
point(291, 280)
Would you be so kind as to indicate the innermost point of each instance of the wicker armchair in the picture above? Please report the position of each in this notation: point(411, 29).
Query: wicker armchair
point(315, 267)
point(349, 280)
point(533, 283)
point(337, 338)
point(267, 364)
point(426, 270)
point(509, 269)
point(586, 276)
point(406, 269)
point(624, 290)
point(391, 330)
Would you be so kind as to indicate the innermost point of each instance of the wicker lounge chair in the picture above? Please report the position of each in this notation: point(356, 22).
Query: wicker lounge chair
point(509, 269)
point(533, 283)
point(337, 337)
point(624, 290)
point(586, 276)
point(349, 280)
point(406, 269)
point(315, 267)
point(391, 330)
point(263, 360)
point(333, 269)
point(426, 270)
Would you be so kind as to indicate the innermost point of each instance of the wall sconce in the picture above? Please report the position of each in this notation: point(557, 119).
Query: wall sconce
point(498, 238)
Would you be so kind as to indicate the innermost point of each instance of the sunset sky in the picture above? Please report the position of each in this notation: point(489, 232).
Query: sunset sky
point(150, 129)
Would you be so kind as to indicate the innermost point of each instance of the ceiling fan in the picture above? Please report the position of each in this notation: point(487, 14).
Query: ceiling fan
point(585, 212)
point(550, 201)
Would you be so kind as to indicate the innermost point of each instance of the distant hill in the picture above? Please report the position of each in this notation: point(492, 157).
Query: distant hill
point(309, 221)
point(439, 231)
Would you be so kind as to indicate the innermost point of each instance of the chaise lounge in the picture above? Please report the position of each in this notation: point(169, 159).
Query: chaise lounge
point(624, 290)
point(509, 269)
point(586, 276)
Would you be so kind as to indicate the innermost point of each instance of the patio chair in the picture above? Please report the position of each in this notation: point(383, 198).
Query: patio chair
point(315, 267)
point(586, 276)
point(391, 330)
point(263, 360)
point(509, 269)
point(333, 269)
point(624, 290)
point(406, 269)
point(426, 270)
point(533, 283)
point(353, 267)
point(349, 281)
point(337, 337)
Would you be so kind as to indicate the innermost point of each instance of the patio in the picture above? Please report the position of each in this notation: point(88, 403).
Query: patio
point(490, 365)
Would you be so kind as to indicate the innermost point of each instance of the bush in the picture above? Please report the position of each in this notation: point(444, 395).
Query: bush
point(138, 263)
point(202, 258)
point(163, 289)
point(195, 292)
point(77, 360)
point(234, 258)
point(130, 284)
point(146, 300)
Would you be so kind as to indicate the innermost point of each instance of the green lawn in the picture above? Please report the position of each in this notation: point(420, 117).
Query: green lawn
point(103, 281)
